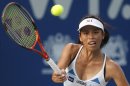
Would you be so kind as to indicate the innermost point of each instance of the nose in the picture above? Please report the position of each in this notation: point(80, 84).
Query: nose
point(90, 35)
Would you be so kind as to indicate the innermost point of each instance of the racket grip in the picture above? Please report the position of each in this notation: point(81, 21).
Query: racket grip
point(54, 66)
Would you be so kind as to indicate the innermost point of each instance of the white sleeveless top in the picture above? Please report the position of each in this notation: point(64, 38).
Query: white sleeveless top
point(73, 79)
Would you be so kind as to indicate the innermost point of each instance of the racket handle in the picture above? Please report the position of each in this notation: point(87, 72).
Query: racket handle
point(54, 66)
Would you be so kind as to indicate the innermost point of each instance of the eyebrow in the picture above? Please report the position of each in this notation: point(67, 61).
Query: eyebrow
point(94, 29)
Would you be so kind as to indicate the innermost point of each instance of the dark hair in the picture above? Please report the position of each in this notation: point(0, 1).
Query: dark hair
point(106, 26)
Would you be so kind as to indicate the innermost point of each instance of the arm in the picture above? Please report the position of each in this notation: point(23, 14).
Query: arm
point(66, 57)
point(117, 74)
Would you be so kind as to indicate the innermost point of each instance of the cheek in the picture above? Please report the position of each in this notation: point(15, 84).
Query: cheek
point(82, 37)
point(99, 39)
point(100, 36)
point(83, 40)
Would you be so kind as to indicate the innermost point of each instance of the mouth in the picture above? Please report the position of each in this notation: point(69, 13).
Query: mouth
point(92, 43)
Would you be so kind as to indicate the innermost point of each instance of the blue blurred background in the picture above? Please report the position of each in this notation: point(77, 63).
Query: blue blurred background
point(19, 67)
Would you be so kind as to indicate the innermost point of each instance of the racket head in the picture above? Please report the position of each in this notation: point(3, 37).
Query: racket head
point(19, 25)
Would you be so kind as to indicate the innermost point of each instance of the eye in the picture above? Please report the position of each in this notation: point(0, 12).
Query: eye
point(85, 33)
point(96, 31)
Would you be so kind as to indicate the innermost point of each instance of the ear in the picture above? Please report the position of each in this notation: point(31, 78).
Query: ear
point(103, 35)
point(80, 37)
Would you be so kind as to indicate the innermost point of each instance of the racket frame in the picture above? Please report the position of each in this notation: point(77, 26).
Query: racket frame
point(43, 53)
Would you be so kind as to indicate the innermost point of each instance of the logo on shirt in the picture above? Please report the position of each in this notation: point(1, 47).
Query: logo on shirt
point(81, 82)
point(96, 81)
point(71, 79)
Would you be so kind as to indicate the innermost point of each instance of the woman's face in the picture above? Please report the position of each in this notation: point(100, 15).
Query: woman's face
point(91, 37)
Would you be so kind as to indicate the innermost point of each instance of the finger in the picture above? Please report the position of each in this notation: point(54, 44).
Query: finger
point(63, 71)
point(56, 74)
point(62, 78)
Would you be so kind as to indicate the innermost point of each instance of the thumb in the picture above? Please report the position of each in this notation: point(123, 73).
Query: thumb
point(63, 72)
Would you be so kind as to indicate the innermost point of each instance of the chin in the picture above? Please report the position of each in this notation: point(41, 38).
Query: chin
point(94, 48)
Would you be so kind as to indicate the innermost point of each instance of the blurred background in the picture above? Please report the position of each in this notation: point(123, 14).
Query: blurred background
point(19, 67)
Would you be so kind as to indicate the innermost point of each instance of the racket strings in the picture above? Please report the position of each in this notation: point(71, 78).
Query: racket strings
point(19, 30)
point(8, 25)
point(10, 30)
point(20, 26)
point(28, 24)
point(17, 39)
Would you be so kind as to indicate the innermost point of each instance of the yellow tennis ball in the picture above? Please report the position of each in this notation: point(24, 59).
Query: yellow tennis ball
point(57, 10)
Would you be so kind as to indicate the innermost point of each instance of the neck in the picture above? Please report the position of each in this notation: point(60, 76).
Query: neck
point(91, 55)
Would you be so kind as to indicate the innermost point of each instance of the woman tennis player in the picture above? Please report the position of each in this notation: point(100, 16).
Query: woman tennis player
point(84, 64)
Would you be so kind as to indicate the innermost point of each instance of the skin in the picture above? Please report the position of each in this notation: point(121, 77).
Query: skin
point(90, 58)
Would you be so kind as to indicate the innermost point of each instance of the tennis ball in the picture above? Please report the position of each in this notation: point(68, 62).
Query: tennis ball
point(57, 10)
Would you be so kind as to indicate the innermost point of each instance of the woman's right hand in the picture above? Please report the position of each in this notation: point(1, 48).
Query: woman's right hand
point(59, 78)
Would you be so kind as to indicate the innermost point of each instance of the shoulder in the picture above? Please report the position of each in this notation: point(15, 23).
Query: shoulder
point(72, 46)
point(68, 53)
point(115, 72)
point(111, 64)
point(113, 68)
point(71, 49)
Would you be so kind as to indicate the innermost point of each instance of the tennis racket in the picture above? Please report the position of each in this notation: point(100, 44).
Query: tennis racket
point(21, 28)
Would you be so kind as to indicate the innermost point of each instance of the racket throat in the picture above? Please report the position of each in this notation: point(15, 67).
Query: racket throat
point(43, 52)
